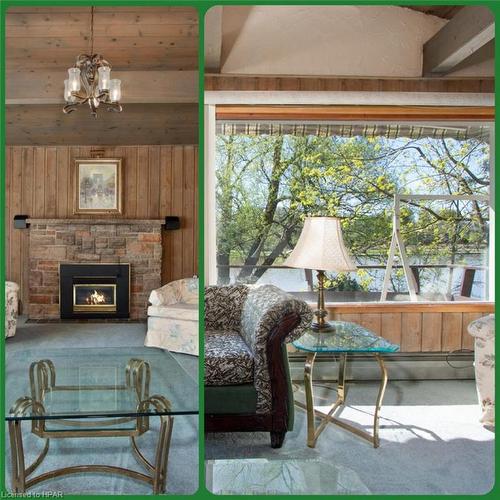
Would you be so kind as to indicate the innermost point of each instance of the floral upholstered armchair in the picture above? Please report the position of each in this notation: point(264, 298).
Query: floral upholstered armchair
point(247, 381)
point(173, 317)
point(11, 307)
point(483, 331)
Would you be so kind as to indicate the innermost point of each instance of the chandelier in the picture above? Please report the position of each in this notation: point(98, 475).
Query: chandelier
point(89, 81)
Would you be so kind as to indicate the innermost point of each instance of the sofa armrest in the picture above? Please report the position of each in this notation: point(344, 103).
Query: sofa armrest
point(189, 290)
point(166, 295)
point(483, 328)
point(279, 372)
point(270, 319)
point(183, 290)
point(265, 308)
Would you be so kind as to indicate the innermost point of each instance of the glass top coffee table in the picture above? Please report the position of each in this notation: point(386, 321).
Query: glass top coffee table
point(345, 338)
point(104, 392)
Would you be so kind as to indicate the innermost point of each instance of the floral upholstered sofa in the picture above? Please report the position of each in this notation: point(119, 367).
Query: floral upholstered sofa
point(247, 381)
point(11, 308)
point(173, 317)
point(483, 331)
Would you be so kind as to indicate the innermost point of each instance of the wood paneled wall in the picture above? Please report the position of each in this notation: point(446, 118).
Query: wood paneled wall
point(416, 327)
point(158, 181)
point(420, 331)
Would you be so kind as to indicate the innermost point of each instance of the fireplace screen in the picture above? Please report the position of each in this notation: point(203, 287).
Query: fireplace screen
point(94, 291)
point(91, 297)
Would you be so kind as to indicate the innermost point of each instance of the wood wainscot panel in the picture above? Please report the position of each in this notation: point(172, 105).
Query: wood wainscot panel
point(391, 326)
point(467, 319)
point(433, 327)
point(411, 332)
point(452, 331)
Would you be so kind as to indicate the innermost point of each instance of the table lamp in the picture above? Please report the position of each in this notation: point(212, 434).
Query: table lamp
point(321, 247)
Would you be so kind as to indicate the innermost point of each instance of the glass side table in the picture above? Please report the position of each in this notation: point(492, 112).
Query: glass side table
point(344, 339)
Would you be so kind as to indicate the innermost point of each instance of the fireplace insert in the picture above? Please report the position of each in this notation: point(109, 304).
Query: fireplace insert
point(94, 291)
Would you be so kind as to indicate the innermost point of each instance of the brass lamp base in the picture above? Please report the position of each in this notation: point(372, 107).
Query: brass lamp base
point(326, 326)
point(321, 324)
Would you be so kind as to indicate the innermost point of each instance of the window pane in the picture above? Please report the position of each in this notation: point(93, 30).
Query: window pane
point(268, 182)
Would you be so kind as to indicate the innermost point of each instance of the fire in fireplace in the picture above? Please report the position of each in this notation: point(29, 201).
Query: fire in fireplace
point(94, 297)
point(94, 290)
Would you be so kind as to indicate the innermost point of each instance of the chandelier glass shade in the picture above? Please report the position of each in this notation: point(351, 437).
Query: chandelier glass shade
point(89, 81)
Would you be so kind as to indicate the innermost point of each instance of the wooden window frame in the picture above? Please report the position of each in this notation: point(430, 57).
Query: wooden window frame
point(355, 113)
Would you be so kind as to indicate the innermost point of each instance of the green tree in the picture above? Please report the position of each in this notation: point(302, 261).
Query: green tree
point(266, 185)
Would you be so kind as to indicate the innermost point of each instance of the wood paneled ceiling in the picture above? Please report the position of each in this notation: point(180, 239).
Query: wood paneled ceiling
point(153, 50)
point(130, 38)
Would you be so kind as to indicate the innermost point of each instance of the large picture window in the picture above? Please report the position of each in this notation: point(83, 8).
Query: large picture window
point(270, 175)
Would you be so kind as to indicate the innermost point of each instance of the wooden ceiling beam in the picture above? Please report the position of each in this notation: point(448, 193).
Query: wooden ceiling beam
point(470, 29)
point(137, 124)
point(218, 82)
point(46, 87)
point(213, 39)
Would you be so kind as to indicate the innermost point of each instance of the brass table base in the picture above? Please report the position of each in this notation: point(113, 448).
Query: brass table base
point(314, 432)
point(43, 378)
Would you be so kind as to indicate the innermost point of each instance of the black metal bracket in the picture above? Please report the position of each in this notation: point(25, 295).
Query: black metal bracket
point(20, 221)
point(172, 222)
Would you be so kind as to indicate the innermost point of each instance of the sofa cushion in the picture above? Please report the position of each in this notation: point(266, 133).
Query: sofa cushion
point(223, 306)
point(179, 310)
point(172, 334)
point(236, 399)
point(228, 359)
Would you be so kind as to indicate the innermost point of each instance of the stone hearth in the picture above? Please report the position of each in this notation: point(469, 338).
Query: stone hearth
point(56, 241)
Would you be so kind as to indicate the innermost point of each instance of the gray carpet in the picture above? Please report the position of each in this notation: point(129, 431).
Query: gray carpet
point(114, 451)
point(431, 443)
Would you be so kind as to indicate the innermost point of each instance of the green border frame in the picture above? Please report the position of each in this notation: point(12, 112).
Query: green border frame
point(202, 6)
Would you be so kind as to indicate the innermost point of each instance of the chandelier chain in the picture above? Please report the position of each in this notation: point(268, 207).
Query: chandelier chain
point(92, 30)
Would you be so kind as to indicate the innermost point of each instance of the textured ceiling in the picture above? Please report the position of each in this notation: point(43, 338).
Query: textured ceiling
point(443, 11)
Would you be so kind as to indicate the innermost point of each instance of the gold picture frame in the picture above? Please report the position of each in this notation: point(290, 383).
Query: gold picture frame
point(98, 184)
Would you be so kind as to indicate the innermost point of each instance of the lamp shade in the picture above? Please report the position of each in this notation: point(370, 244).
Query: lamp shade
point(321, 247)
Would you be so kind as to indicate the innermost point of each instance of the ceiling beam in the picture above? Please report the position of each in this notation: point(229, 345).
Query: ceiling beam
point(138, 124)
point(218, 82)
point(213, 39)
point(46, 87)
point(470, 29)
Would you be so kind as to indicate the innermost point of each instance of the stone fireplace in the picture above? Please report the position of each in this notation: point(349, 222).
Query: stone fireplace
point(56, 242)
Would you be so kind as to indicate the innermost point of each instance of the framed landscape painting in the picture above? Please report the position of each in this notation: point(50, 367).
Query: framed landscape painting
point(98, 186)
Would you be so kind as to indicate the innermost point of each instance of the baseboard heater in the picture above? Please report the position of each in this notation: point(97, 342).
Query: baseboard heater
point(401, 366)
